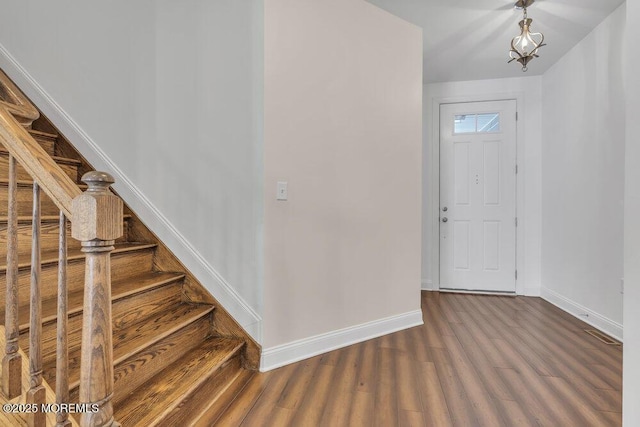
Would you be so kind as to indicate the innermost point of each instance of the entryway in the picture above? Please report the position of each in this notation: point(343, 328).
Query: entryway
point(478, 196)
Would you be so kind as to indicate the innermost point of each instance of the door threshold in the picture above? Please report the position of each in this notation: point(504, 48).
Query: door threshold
point(476, 292)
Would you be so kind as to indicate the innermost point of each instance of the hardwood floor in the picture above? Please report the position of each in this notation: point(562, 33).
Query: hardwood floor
point(477, 361)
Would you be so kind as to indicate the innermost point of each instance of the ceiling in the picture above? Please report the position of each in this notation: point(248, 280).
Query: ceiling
point(469, 39)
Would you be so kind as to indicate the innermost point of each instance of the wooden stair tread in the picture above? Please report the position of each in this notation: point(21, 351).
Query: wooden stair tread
point(119, 289)
point(164, 392)
point(27, 219)
point(42, 134)
point(223, 403)
point(136, 337)
point(143, 282)
point(4, 182)
point(51, 256)
point(57, 159)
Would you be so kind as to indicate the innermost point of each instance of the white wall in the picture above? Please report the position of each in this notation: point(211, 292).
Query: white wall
point(631, 375)
point(583, 177)
point(526, 92)
point(343, 128)
point(168, 97)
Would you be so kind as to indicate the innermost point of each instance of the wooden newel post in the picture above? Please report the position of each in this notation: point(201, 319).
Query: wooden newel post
point(97, 222)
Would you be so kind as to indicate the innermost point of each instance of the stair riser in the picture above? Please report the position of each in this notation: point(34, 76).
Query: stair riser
point(210, 416)
point(48, 342)
point(24, 199)
point(48, 238)
point(134, 371)
point(48, 144)
point(123, 265)
point(131, 310)
point(192, 405)
point(70, 170)
point(145, 304)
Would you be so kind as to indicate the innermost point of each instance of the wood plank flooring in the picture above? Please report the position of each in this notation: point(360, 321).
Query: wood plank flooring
point(477, 361)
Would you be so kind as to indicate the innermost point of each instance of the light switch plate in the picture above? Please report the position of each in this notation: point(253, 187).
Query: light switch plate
point(282, 193)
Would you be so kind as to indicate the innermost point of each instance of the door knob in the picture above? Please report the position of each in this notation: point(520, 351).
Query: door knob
point(445, 219)
point(445, 209)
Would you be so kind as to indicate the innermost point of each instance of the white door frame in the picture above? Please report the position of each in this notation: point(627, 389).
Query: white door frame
point(434, 175)
point(500, 211)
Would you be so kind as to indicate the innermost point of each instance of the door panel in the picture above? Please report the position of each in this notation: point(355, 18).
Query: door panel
point(478, 196)
point(491, 169)
point(491, 252)
point(461, 245)
point(461, 161)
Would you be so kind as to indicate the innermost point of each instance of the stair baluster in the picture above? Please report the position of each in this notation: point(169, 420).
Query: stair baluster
point(12, 361)
point(36, 393)
point(97, 222)
point(62, 349)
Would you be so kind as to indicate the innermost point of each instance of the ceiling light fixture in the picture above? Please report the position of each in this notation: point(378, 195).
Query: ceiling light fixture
point(525, 46)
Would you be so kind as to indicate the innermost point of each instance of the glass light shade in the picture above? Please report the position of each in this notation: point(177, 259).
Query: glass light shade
point(524, 47)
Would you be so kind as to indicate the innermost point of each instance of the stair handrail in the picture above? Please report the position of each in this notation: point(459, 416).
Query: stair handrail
point(36, 161)
point(96, 221)
point(15, 102)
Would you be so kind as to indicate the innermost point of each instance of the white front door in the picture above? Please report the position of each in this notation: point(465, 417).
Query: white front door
point(478, 196)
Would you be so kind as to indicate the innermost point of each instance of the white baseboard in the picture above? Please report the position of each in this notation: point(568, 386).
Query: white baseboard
point(427, 285)
point(295, 351)
point(150, 215)
point(594, 319)
point(532, 291)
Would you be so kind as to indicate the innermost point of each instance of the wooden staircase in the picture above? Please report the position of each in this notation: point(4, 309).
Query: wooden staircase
point(178, 357)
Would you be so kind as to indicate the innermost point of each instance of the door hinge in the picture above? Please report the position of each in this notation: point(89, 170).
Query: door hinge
point(516, 116)
point(516, 221)
point(516, 274)
point(516, 169)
